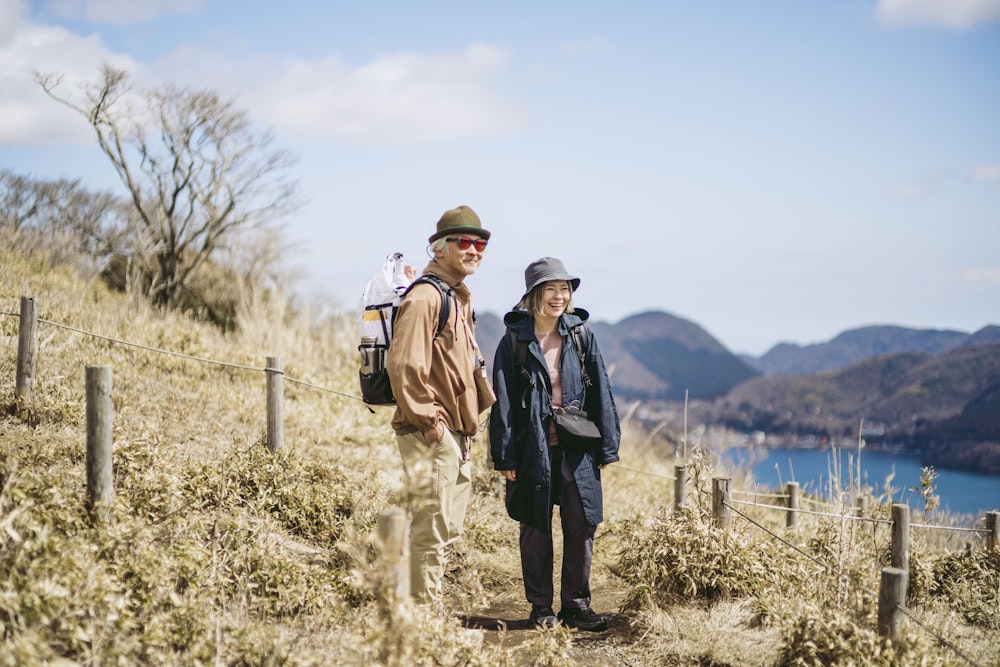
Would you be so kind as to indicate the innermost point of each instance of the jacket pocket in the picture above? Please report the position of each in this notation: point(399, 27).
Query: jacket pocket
point(510, 500)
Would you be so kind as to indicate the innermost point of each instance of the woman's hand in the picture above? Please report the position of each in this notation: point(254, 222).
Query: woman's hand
point(509, 475)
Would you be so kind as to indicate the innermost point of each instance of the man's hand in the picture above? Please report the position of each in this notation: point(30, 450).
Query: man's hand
point(509, 475)
point(434, 435)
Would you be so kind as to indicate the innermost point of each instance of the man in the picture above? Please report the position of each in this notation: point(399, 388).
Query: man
point(437, 407)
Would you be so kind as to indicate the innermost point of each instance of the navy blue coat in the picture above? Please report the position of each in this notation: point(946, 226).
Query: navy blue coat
point(519, 421)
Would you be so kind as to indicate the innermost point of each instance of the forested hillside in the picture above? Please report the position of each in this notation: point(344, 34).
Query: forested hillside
point(943, 404)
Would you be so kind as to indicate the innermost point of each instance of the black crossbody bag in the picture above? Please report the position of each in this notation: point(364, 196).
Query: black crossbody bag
point(574, 427)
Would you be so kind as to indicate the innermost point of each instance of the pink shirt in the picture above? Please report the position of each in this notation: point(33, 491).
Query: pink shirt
point(551, 345)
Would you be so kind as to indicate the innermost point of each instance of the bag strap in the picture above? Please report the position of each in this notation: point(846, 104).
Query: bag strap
point(446, 292)
point(580, 341)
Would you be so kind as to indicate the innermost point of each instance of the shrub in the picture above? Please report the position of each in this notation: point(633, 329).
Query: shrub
point(682, 556)
point(970, 582)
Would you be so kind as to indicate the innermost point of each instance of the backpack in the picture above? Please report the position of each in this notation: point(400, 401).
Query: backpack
point(377, 313)
point(520, 348)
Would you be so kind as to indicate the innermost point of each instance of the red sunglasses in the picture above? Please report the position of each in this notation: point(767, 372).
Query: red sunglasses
point(464, 243)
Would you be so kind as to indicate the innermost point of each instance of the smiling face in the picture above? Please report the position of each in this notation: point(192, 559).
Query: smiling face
point(552, 298)
point(459, 261)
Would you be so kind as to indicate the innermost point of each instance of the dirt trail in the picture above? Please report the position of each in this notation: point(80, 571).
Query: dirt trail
point(506, 622)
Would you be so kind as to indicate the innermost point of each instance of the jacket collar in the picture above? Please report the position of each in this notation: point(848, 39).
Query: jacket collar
point(456, 282)
point(523, 323)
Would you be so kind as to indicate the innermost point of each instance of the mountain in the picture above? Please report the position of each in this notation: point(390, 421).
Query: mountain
point(652, 355)
point(941, 404)
point(856, 344)
point(985, 336)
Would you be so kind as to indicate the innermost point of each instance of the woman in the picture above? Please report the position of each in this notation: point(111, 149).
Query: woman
point(538, 369)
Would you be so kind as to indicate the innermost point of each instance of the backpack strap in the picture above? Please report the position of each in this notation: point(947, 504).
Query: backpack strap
point(581, 342)
point(446, 292)
point(520, 350)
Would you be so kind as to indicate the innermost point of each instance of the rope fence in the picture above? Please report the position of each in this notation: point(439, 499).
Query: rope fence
point(648, 473)
point(850, 517)
point(894, 579)
point(762, 495)
point(100, 489)
point(181, 355)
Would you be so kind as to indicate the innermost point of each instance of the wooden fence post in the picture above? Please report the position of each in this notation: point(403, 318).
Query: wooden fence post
point(27, 349)
point(861, 504)
point(392, 533)
point(792, 515)
point(900, 547)
point(100, 483)
point(992, 536)
point(722, 499)
point(891, 600)
point(680, 487)
point(275, 419)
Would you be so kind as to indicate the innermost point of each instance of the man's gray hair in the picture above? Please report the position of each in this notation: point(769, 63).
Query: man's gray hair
point(440, 246)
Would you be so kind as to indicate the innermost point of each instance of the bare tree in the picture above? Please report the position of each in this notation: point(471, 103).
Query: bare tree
point(62, 220)
point(197, 173)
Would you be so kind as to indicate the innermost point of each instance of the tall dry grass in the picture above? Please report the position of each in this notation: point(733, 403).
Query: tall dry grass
point(222, 553)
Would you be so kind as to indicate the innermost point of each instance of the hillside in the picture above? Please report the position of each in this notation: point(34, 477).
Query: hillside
point(928, 402)
point(222, 552)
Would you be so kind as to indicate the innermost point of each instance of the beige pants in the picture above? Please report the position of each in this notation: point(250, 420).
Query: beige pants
point(438, 485)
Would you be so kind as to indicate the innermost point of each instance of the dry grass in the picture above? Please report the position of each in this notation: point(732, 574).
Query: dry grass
point(221, 553)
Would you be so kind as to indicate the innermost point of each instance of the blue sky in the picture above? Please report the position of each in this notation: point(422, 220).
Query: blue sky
point(772, 170)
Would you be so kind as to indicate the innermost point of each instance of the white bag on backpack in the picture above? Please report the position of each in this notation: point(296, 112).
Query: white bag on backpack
point(380, 300)
point(376, 311)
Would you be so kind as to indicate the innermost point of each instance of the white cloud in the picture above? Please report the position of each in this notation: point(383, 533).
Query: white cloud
point(909, 191)
point(396, 98)
point(593, 46)
point(27, 114)
point(987, 172)
point(956, 14)
point(982, 276)
point(121, 12)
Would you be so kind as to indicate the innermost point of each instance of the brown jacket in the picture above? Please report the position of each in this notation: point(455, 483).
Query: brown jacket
point(432, 378)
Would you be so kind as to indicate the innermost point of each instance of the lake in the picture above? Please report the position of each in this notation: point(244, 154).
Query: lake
point(959, 492)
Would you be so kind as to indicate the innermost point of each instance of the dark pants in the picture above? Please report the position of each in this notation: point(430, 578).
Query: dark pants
point(578, 545)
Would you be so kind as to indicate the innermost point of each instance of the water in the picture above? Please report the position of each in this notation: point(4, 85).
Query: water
point(959, 492)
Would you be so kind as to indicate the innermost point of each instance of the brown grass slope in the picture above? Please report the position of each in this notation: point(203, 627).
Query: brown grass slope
point(222, 553)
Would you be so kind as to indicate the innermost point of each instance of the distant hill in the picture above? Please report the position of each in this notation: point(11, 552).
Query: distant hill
point(932, 402)
point(652, 355)
point(985, 336)
point(854, 345)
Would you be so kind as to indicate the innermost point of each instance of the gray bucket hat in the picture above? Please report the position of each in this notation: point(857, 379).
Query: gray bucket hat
point(546, 269)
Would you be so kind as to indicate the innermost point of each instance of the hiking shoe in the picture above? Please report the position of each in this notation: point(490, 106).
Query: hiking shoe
point(583, 619)
point(542, 616)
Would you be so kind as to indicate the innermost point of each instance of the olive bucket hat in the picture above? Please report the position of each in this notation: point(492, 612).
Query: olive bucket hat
point(546, 269)
point(458, 220)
